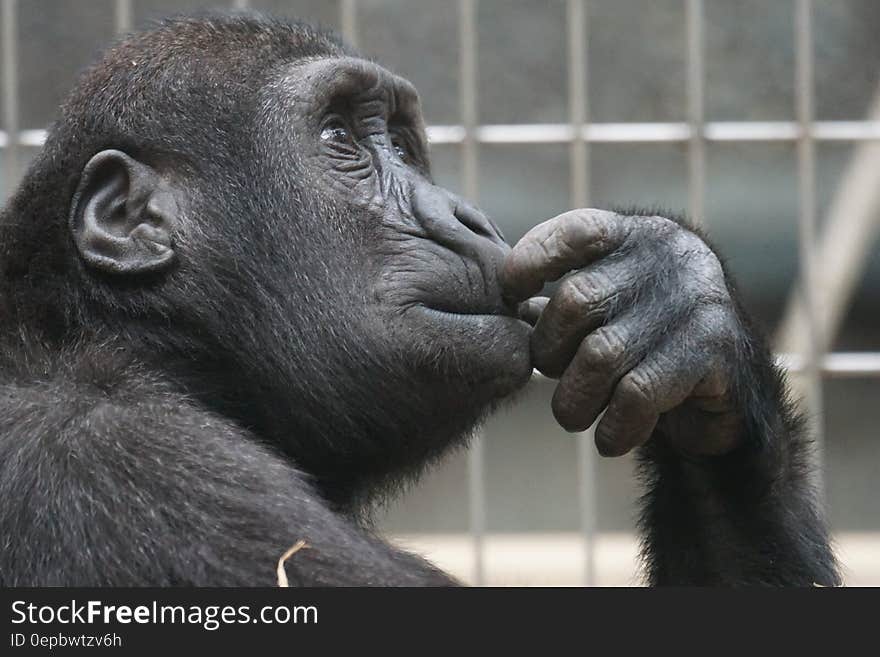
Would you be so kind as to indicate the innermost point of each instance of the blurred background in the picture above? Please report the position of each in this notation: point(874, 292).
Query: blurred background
point(761, 120)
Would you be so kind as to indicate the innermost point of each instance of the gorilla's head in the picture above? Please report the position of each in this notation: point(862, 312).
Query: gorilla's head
point(247, 205)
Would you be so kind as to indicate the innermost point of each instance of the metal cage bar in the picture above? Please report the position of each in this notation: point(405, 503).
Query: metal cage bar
point(616, 133)
point(695, 96)
point(579, 171)
point(467, 34)
point(123, 16)
point(348, 20)
point(807, 214)
point(9, 138)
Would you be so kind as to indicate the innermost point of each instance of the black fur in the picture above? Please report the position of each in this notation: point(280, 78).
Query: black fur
point(746, 518)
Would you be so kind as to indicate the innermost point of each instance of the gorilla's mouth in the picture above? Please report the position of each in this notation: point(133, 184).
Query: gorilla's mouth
point(500, 309)
point(487, 320)
point(490, 343)
point(469, 302)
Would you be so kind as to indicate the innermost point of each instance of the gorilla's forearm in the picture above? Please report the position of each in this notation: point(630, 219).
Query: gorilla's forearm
point(750, 517)
point(732, 521)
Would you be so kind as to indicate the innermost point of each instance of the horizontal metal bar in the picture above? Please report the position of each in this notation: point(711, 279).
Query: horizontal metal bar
point(33, 138)
point(718, 131)
point(846, 130)
point(564, 133)
point(637, 132)
point(623, 133)
point(446, 134)
point(752, 131)
point(526, 133)
point(838, 365)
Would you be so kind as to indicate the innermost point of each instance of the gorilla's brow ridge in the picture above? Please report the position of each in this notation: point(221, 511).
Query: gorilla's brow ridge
point(322, 79)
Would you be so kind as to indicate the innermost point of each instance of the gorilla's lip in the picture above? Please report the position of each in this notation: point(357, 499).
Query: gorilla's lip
point(498, 340)
point(482, 303)
point(469, 313)
point(491, 308)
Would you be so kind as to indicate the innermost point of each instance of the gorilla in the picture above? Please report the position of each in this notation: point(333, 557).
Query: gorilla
point(235, 312)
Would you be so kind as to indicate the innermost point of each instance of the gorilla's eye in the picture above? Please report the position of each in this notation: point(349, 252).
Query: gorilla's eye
point(334, 130)
point(400, 147)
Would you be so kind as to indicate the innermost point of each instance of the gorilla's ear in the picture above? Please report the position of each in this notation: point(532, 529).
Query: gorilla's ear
point(122, 215)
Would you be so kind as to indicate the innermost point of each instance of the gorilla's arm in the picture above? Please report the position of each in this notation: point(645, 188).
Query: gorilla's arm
point(746, 517)
point(135, 486)
point(647, 329)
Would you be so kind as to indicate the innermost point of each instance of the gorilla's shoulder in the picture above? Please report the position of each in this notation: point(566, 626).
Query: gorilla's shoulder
point(72, 374)
point(82, 399)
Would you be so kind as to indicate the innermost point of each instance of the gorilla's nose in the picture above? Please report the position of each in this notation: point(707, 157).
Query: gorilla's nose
point(461, 227)
point(443, 214)
point(477, 221)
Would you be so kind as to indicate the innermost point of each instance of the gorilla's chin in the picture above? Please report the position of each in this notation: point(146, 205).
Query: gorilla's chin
point(488, 353)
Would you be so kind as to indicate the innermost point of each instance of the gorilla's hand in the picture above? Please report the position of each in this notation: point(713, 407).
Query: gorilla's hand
point(646, 326)
point(643, 326)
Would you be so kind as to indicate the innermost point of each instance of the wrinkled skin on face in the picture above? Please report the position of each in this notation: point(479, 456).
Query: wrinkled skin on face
point(370, 332)
point(642, 325)
point(432, 260)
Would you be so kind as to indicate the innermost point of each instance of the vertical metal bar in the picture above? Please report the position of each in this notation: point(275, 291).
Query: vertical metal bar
point(240, 4)
point(10, 90)
point(468, 95)
point(348, 21)
point(577, 102)
point(467, 90)
point(579, 167)
point(695, 112)
point(123, 16)
point(806, 152)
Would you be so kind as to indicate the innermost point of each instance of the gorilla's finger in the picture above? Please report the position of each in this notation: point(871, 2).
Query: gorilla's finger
point(601, 360)
point(570, 241)
point(582, 303)
point(530, 310)
point(662, 381)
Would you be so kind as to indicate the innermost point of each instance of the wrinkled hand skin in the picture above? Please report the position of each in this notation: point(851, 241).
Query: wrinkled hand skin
point(645, 326)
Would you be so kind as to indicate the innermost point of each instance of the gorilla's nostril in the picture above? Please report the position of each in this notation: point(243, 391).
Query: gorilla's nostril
point(476, 221)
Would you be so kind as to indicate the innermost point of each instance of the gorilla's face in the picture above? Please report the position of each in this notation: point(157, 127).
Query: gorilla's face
point(301, 273)
point(427, 261)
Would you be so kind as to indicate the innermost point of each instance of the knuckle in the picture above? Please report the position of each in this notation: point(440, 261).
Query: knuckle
point(571, 225)
point(636, 388)
point(568, 298)
point(578, 294)
point(696, 254)
point(715, 323)
point(570, 237)
point(661, 227)
point(580, 226)
point(605, 347)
